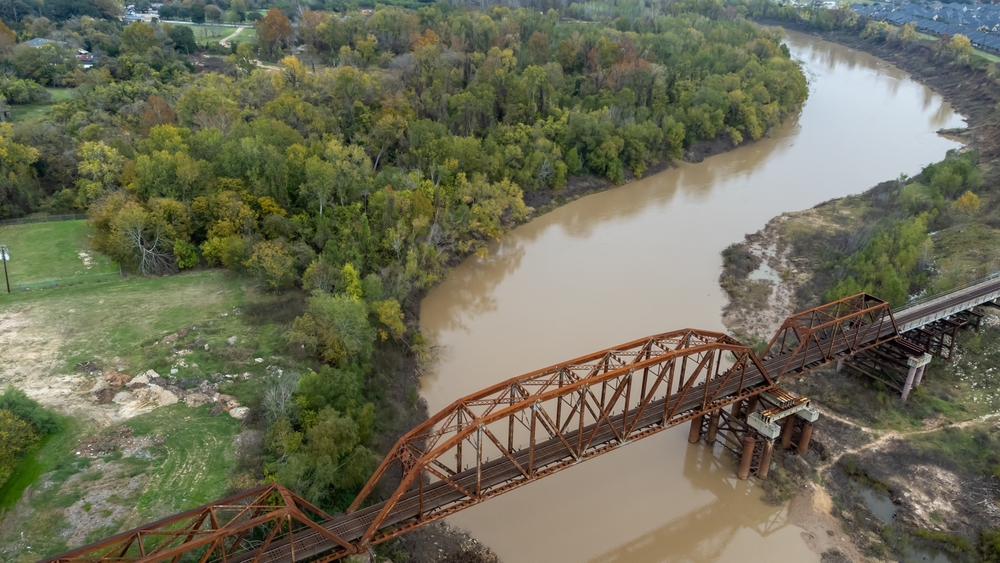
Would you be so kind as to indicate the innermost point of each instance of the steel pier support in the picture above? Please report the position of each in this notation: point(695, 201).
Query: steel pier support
point(747, 457)
point(765, 459)
point(713, 427)
point(695, 434)
point(807, 430)
point(786, 432)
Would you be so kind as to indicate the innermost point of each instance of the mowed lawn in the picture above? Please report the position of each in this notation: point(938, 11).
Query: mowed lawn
point(209, 32)
point(248, 35)
point(110, 320)
point(26, 112)
point(59, 250)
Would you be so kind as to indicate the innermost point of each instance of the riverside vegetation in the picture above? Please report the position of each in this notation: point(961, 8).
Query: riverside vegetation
point(345, 182)
point(933, 457)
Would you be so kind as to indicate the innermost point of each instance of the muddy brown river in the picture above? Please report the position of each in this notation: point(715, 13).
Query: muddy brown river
point(642, 259)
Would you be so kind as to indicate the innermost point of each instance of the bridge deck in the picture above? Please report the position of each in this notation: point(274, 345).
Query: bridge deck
point(947, 305)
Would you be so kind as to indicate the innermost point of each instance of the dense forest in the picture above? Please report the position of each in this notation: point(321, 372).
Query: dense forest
point(372, 152)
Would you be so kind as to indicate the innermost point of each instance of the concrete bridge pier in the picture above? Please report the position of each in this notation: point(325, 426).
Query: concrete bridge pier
point(916, 373)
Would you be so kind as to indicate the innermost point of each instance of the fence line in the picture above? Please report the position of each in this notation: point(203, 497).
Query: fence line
point(43, 219)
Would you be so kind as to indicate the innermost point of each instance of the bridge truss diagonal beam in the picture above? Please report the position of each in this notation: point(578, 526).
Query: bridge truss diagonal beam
point(232, 529)
point(533, 425)
point(822, 334)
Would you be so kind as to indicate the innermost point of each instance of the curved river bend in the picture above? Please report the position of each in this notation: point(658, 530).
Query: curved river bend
point(644, 258)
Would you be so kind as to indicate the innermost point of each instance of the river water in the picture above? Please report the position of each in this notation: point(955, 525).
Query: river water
point(642, 259)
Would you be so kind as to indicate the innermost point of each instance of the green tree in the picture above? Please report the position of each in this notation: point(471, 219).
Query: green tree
point(273, 263)
point(16, 173)
point(352, 169)
point(213, 14)
point(16, 436)
point(319, 184)
point(183, 38)
point(138, 37)
point(334, 328)
point(18, 403)
point(100, 168)
point(198, 12)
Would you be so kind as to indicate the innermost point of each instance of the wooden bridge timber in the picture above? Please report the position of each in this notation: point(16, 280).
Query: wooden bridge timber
point(531, 426)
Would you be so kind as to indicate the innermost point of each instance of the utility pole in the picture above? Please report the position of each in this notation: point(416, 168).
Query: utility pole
point(5, 256)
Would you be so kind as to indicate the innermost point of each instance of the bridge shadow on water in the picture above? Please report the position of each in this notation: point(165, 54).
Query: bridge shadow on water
point(710, 529)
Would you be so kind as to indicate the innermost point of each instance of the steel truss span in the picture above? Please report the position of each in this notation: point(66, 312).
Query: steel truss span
point(506, 436)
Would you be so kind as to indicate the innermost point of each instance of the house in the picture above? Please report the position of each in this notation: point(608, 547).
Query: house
point(85, 57)
point(39, 41)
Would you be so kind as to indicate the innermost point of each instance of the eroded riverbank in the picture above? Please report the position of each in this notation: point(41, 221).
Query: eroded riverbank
point(642, 259)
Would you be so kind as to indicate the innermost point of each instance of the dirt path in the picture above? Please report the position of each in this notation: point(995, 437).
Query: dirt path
point(225, 41)
point(890, 435)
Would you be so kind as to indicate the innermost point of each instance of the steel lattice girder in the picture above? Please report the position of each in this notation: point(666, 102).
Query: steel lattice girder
point(226, 530)
point(820, 335)
point(533, 425)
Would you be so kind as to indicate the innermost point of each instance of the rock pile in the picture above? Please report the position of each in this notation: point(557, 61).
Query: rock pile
point(149, 390)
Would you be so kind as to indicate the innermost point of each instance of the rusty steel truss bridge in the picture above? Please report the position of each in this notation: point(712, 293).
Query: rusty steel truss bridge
point(531, 426)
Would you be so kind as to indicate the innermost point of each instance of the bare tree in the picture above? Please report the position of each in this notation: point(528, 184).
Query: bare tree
point(279, 387)
point(143, 241)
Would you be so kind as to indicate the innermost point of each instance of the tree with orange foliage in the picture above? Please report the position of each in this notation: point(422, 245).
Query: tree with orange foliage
point(273, 32)
point(157, 112)
point(7, 39)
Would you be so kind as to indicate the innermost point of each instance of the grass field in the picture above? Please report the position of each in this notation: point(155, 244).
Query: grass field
point(73, 499)
point(59, 499)
point(113, 320)
point(186, 465)
point(33, 111)
point(192, 463)
point(247, 35)
point(59, 250)
point(209, 32)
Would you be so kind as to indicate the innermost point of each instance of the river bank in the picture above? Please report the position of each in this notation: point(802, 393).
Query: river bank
point(641, 259)
point(898, 490)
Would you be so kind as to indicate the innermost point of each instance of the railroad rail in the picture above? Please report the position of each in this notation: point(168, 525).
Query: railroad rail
point(532, 426)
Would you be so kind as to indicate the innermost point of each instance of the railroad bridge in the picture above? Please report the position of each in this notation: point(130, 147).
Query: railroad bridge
point(531, 426)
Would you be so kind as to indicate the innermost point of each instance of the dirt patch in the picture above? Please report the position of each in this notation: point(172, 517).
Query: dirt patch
point(821, 530)
point(120, 440)
point(762, 298)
